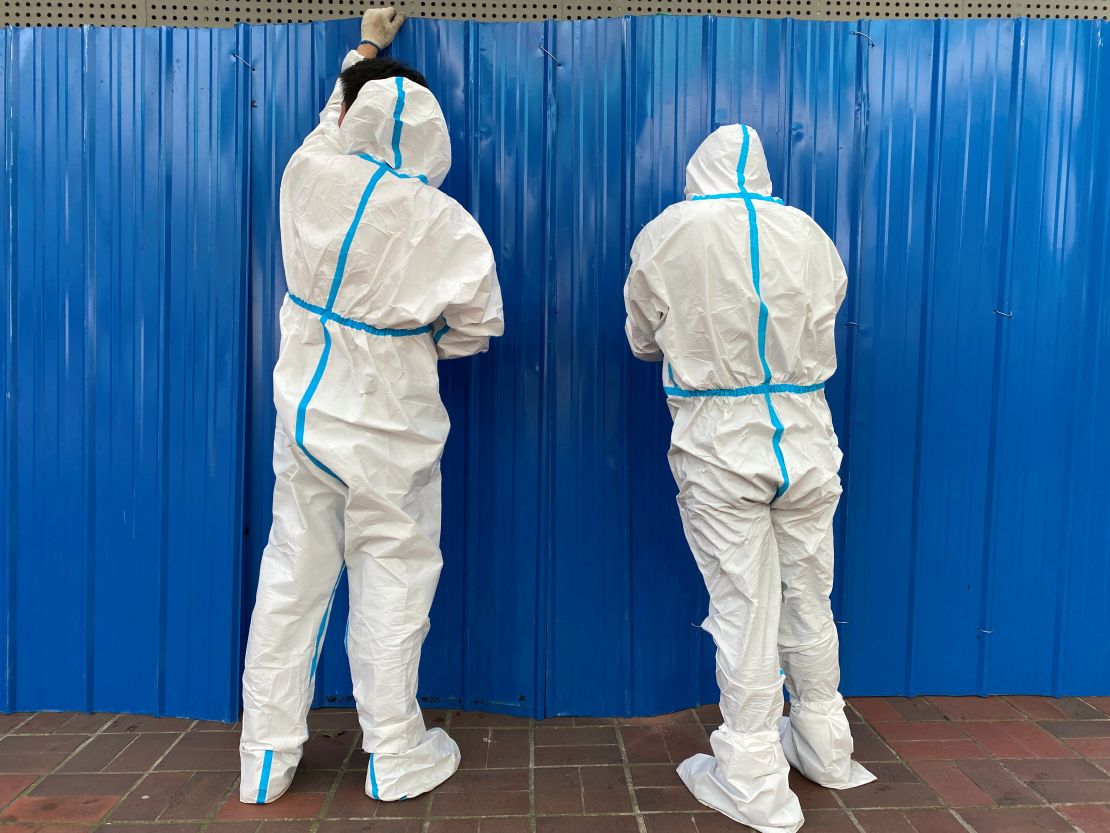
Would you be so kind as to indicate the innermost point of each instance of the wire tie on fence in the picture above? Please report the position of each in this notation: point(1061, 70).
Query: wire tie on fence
point(240, 60)
point(549, 55)
point(986, 630)
point(865, 36)
point(1004, 314)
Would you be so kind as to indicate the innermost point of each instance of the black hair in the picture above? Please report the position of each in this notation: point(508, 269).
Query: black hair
point(374, 69)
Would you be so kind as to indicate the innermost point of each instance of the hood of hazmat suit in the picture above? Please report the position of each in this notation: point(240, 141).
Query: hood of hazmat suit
point(737, 294)
point(386, 275)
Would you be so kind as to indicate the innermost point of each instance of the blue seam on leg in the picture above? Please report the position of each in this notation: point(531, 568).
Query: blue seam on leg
point(324, 626)
point(264, 781)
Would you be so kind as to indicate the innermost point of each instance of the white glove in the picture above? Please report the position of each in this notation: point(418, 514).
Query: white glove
point(379, 26)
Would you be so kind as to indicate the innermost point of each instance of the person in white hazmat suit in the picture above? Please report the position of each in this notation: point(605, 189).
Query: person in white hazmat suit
point(737, 294)
point(386, 275)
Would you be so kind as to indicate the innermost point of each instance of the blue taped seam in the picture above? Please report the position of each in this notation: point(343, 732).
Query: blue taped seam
point(751, 390)
point(355, 324)
point(776, 445)
point(302, 406)
point(389, 168)
point(323, 627)
point(264, 781)
point(397, 123)
point(373, 778)
point(767, 388)
point(741, 177)
point(764, 314)
point(348, 239)
point(337, 280)
point(738, 195)
point(440, 333)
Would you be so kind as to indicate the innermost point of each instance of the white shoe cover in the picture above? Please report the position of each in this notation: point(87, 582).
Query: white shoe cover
point(396, 776)
point(748, 781)
point(266, 775)
point(803, 732)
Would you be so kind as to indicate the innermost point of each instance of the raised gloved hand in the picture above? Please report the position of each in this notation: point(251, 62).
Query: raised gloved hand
point(380, 26)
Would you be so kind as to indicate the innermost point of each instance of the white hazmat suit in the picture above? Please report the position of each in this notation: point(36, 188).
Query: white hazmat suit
point(738, 294)
point(386, 275)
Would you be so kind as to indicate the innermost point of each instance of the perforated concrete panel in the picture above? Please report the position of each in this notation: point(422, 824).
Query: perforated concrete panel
point(74, 13)
point(230, 12)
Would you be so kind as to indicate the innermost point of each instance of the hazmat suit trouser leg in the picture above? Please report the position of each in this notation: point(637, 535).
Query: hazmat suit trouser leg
point(300, 570)
point(816, 736)
point(394, 567)
point(394, 562)
point(746, 778)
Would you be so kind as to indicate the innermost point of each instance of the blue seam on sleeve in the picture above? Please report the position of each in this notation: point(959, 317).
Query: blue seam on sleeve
point(397, 123)
point(264, 781)
point(440, 333)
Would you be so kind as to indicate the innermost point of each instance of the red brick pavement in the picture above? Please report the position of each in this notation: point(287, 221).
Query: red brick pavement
point(945, 765)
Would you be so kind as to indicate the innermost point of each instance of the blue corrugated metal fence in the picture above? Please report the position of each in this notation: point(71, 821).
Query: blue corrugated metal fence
point(124, 305)
point(959, 165)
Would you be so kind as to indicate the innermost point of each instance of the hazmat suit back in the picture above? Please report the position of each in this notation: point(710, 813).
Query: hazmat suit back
point(386, 275)
point(738, 294)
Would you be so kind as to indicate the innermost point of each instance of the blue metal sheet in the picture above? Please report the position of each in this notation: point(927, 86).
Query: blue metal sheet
point(967, 155)
point(123, 309)
point(671, 655)
point(957, 164)
point(1040, 468)
point(7, 351)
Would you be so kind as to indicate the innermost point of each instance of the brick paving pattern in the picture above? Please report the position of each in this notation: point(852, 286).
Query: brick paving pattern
point(945, 764)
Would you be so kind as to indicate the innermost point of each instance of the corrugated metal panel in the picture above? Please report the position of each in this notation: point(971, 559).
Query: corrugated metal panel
point(958, 166)
point(125, 158)
point(974, 296)
point(902, 140)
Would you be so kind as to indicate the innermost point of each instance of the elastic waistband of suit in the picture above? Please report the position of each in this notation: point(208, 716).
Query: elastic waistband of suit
point(751, 390)
point(361, 326)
